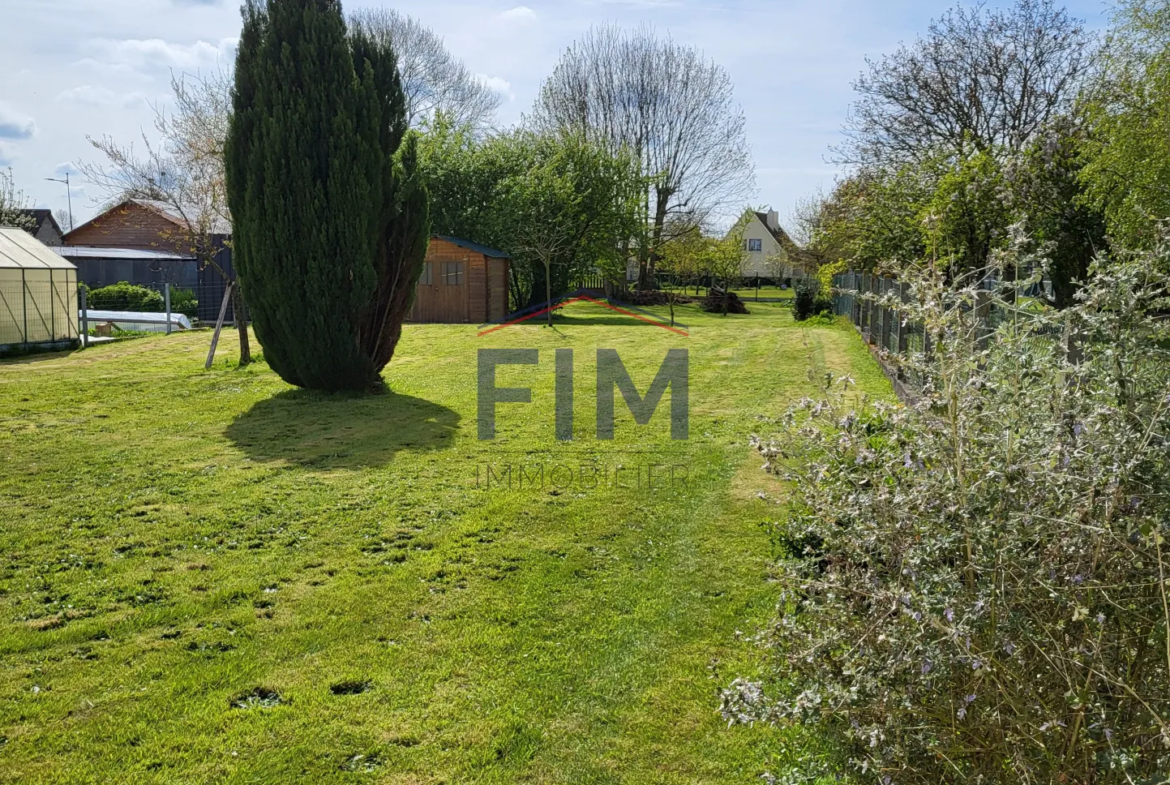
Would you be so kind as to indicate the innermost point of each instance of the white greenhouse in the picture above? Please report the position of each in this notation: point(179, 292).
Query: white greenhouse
point(38, 294)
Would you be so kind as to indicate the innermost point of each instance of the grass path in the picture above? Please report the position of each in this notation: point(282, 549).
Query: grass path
point(211, 577)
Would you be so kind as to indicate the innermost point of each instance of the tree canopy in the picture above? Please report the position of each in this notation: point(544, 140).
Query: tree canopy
point(562, 205)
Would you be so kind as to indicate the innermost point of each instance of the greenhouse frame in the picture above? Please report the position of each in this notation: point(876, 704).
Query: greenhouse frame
point(38, 294)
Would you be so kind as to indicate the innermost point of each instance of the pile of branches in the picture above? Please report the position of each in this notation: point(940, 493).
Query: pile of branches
point(720, 301)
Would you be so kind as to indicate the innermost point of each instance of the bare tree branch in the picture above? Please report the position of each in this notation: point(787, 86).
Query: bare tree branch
point(432, 80)
point(184, 174)
point(979, 80)
point(674, 109)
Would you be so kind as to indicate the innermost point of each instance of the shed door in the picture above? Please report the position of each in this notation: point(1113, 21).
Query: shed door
point(442, 296)
point(453, 290)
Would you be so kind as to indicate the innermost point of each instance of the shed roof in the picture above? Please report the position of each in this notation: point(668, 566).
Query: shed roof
point(483, 249)
point(19, 250)
point(123, 254)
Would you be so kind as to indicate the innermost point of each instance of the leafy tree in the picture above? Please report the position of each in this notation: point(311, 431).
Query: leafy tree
point(1127, 153)
point(683, 260)
point(330, 213)
point(722, 260)
point(1047, 189)
point(874, 217)
point(567, 210)
point(968, 214)
point(561, 204)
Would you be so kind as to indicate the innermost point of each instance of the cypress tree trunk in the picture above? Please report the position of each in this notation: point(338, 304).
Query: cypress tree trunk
point(240, 311)
point(327, 211)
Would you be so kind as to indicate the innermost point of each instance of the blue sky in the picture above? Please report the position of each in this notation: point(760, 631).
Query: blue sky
point(73, 68)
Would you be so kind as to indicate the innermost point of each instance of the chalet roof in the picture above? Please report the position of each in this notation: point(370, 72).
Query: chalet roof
point(798, 254)
point(39, 217)
point(217, 223)
point(21, 251)
point(476, 247)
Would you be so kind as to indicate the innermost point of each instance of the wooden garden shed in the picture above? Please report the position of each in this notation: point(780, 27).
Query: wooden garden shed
point(462, 283)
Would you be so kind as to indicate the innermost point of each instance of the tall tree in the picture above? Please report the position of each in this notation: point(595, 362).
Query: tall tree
point(676, 112)
point(330, 217)
point(1127, 161)
point(184, 173)
point(433, 81)
point(980, 79)
point(1047, 190)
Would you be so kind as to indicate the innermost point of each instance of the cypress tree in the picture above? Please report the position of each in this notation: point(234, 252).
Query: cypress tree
point(322, 185)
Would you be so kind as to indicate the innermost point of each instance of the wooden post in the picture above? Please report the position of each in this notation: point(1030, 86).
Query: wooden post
point(227, 296)
point(167, 298)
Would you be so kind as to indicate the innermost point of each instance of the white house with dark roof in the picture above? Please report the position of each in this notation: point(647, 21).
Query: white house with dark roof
point(768, 250)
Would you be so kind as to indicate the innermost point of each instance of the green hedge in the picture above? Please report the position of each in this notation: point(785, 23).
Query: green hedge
point(183, 301)
point(125, 297)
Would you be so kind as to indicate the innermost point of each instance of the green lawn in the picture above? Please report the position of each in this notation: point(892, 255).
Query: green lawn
point(192, 563)
point(765, 292)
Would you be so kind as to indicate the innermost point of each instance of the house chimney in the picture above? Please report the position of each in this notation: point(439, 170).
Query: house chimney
point(773, 220)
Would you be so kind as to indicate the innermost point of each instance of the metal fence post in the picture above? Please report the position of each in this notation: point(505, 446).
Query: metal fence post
point(903, 343)
point(167, 298)
point(855, 298)
point(982, 318)
point(82, 291)
point(887, 312)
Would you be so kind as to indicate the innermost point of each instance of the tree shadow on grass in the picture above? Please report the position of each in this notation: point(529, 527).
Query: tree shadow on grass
point(332, 431)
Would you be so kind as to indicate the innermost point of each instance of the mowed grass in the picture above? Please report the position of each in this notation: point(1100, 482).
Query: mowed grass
point(213, 577)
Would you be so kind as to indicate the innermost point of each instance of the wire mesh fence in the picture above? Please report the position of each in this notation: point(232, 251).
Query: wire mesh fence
point(200, 302)
point(871, 304)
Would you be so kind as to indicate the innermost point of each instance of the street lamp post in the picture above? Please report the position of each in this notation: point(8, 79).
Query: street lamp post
point(68, 194)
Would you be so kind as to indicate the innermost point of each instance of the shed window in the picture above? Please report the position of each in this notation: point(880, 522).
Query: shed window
point(453, 273)
point(427, 277)
point(755, 246)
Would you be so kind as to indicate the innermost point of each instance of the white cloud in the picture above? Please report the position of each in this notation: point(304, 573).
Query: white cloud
point(147, 54)
point(15, 124)
point(519, 13)
point(100, 96)
point(499, 84)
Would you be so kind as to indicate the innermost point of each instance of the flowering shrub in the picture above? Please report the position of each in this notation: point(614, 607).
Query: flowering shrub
point(975, 585)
